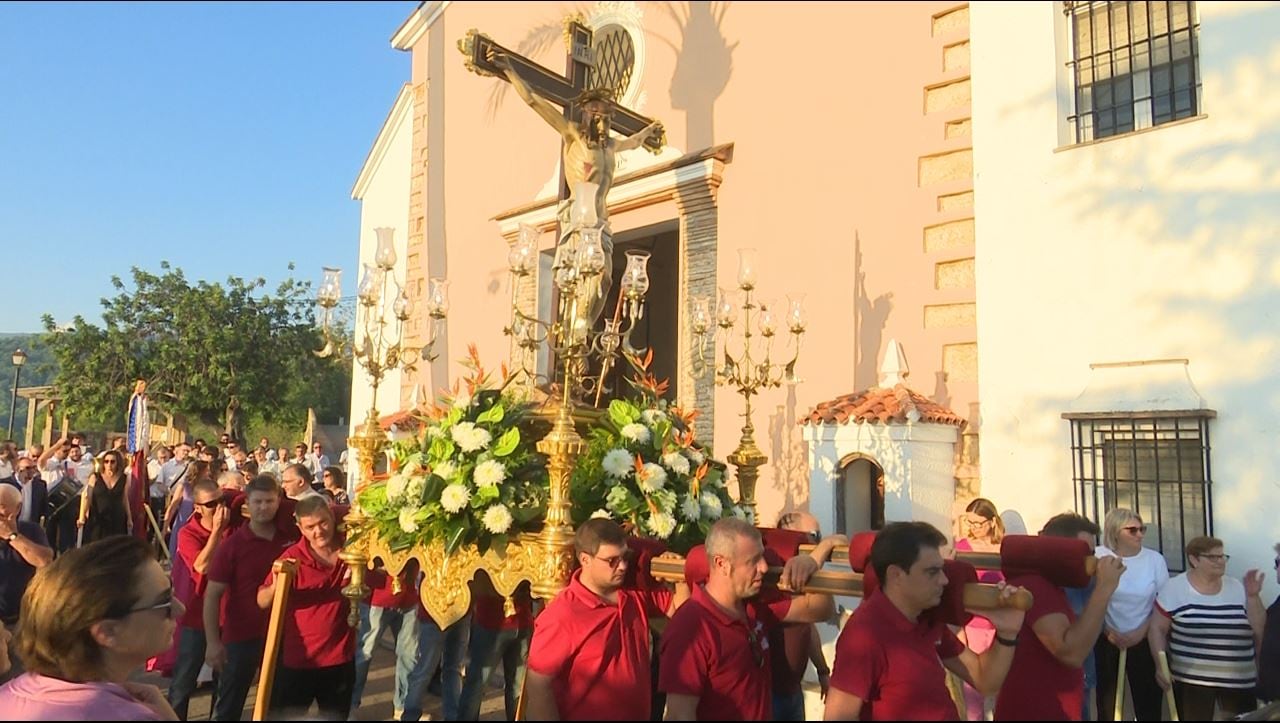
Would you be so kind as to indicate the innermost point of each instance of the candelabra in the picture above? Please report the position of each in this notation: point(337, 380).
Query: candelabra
point(743, 372)
point(378, 345)
point(577, 274)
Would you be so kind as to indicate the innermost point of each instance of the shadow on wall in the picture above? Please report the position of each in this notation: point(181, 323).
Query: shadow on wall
point(870, 318)
point(789, 455)
point(704, 64)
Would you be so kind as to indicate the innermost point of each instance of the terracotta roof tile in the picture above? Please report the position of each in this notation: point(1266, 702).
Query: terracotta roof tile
point(897, 405)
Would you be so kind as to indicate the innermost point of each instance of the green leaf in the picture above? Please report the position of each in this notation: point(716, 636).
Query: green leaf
point(484, 497)
point(492, 415)
point(453, 536)
point(661, 434)
point(442, 448)
point(507, 443)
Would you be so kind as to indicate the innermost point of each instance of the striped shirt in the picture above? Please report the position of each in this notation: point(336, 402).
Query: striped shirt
point(1210, 641)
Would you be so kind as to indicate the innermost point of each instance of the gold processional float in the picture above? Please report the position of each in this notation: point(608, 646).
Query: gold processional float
point(544, 558)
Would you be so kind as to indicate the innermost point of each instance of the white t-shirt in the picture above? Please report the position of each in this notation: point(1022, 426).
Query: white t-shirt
point(1210, 639)
point(1144, 574)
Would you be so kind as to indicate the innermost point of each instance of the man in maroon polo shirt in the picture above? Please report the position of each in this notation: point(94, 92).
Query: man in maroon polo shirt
point(715, 651)
point(887, 656)
point(198, 541)
point(235, 627)
point(318, 650)
point(1047, 680)
point(590, 656)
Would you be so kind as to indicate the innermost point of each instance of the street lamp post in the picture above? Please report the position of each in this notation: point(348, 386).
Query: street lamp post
point(19, 358)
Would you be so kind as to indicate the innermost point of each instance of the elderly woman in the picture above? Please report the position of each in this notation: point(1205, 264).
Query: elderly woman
point(1129, 616)
point(90, 619)
point(1208, 623)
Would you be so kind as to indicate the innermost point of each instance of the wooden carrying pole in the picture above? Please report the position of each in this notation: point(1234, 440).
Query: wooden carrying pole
point(980, 560)
point(1119, 710)
point(284, 571)
point(1168, 692)
point(980, 596)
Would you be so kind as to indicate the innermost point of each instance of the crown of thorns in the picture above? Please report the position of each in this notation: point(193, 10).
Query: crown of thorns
point(596, 94)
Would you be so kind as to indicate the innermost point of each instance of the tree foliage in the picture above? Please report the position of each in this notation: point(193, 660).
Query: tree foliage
point(222, 353)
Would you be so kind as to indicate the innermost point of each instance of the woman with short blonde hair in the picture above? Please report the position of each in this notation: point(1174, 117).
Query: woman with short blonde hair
point(90, 620)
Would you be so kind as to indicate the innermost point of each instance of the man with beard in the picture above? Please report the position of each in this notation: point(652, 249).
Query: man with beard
point(589, 657)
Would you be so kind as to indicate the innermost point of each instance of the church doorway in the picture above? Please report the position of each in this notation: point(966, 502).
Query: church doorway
point(859, 496)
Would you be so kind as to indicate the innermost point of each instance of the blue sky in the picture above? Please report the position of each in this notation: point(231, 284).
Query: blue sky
point(222, 137)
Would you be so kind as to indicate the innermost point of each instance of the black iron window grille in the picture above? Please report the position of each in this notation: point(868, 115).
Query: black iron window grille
point(1156, 464)
point(1134, 65)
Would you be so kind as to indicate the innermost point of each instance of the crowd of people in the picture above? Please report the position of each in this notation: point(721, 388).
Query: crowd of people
point(616, 643)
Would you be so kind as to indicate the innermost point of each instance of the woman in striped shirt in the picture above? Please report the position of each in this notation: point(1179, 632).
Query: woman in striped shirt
point(1210, 625)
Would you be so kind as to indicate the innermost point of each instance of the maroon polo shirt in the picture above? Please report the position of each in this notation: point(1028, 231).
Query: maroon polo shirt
point(894, 664)
point(240, 563)
point(382, 590)
point(192, 537)
point(316, 633)
point(722, 661)
point(597, 653)
point(1039, 686)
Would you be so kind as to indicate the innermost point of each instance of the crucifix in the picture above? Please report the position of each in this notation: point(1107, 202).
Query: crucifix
point(587, 148)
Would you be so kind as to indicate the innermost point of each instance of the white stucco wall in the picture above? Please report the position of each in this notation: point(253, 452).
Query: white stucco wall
point(1159, 244)
point(384, 201)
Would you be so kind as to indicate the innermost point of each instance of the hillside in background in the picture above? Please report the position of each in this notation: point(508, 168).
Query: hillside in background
point(38, 370)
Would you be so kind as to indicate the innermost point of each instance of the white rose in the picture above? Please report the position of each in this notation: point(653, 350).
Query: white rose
point(676, 462)
point(636, 432)
point(690, 508)
point(601, 514)
point(489, 473)
point(661, 524)
point(617, 463)
point(711, 506)
point(445, 470)
point(454, 498)
point(651, 478)
point(497, 519)
point(407, 523)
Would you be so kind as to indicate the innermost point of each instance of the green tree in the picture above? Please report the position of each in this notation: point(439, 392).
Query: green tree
point(220, 353)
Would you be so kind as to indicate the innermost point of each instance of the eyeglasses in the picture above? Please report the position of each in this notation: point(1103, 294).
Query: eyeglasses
point(1136, 529)
point(165, 603)
point(616, 560)
point(1216, 558)
point(978, 521)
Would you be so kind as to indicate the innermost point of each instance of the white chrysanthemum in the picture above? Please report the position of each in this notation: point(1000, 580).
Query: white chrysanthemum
point(617, 497)
point(696, 456)
point(434, 431)
point(651, 478)
point(462, 401)
point(711, 506)
point(666, 500)
point(617, 463)
point(407, 523)
point(742, 513)
point(676, 462)
point(454, 498)
point(489, 473)
point(690, 508)
point(395, 486)
point(653, 416)
point(412, 469)
point(602, 514)
point(414, 488)
point(469, 437)
point(636, 432)
point(446, 470)
point(497, 519)
point(661, 524)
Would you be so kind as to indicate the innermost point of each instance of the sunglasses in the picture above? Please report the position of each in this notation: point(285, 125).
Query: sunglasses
point(1136, 529)
point(616, 560)
point(211, 504)
point(108, 461)
point(165, 604)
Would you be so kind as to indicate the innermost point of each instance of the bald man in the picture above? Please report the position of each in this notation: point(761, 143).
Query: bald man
point(23, 550)
point(794, 645)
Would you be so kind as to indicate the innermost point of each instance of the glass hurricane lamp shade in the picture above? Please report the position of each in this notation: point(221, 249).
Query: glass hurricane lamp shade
point(796, 321)
point(726, 311)
point(590, 252)
point(370, 290)
point(635, 278)
point(582, 214)
point(747, 269)
point(385, 255)
point(438, 298)
point(767, 321)
point(330, 290)
point(402, 307)
point(701, 316)
point(520, 256)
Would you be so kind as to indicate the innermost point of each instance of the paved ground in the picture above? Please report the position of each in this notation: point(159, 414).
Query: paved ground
point(377, 695)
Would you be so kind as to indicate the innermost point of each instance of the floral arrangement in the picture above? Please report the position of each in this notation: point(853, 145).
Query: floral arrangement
point(470, 475)
point(644, 467)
